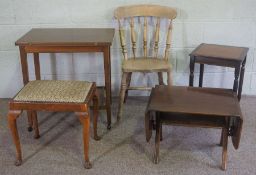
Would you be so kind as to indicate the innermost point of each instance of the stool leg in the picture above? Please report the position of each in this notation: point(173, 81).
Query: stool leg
point(30, 121)
point(35, 125)
point(84, 118)
point(95, 116)
point(12, 116)
point(224, 150)
point(157, 140)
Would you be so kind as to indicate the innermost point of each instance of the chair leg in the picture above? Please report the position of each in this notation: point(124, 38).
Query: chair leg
point(12, 116)
point(128, 85)
point(84, 118)
point(169, 78)
point(160, 78)
point(95, 116)
point(122, 95)
point(35, 125)
point(224, 150)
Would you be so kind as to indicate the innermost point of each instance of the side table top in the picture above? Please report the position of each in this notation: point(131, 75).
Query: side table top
point(194, 100)
point(67, 36)
point(220, 52)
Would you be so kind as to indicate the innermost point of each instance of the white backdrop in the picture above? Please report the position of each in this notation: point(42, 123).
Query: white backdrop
point(231, 22)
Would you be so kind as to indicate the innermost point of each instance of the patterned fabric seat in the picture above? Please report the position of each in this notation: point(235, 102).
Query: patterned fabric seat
point(54, 91)
point(145, 64)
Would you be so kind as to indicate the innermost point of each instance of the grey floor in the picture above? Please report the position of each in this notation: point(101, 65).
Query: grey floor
point(123, 149)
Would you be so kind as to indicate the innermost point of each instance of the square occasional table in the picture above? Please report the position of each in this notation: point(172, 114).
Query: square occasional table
point(67, 40)
point(219, 55)
point(195, 107)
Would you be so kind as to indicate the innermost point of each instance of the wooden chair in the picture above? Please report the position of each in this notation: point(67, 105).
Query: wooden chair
point(55, 95)
point(150, 60)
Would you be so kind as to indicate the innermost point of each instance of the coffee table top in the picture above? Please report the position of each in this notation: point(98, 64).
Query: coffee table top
point(220, 52)
point(67, 36)
point(194, 100)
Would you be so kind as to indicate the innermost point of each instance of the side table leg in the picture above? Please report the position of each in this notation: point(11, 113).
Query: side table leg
point(107, 72)
point(12, 116)
point(201, 75)
point(192, 66)
point(241, 79)
point(237, 72)
point(24, 68)
point(95, 116)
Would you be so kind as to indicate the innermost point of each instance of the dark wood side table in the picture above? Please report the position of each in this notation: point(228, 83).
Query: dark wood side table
point(195, 107)
point(219, 55)
point(66, 40)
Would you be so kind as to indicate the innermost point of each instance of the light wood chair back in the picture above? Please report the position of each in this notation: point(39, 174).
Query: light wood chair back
point(145, 12)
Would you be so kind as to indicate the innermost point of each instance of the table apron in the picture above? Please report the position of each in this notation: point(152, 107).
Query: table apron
point(217, 62)
point(63, 49)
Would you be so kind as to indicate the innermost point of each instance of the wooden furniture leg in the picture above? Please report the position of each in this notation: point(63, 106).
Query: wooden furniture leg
point(160, 78)
point(169, 78)
point(201, 76)
point(107, 72)
point(24, 69)
point(148, 126)
point(128, 85)
point(12, 116)
point(30, 121)
point(35, 125)
point(192, 66)
point(122, 95)
point(95, 116)
point(84, 118)
point(157, 140)
point(237, 72)
point(221, 137)
point(224, 150)
point(241, 80)
point(161, 131)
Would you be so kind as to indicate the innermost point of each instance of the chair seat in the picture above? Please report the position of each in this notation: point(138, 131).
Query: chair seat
point(145, 65)
point(57, 91)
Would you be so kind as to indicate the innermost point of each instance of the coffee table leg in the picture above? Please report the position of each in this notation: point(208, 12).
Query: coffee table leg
point(157, 140)
point(192, 66)
point(84, 118)
point(12, 116)
point(148, 126)
point(225, 146)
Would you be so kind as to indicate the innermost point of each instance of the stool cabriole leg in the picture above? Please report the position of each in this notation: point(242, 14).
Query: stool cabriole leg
point(12, 116)
point(85, 120)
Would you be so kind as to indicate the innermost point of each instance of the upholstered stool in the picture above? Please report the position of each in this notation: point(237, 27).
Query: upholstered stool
point(55, 95)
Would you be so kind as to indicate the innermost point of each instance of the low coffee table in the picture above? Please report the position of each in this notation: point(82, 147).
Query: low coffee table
point(196, 107)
